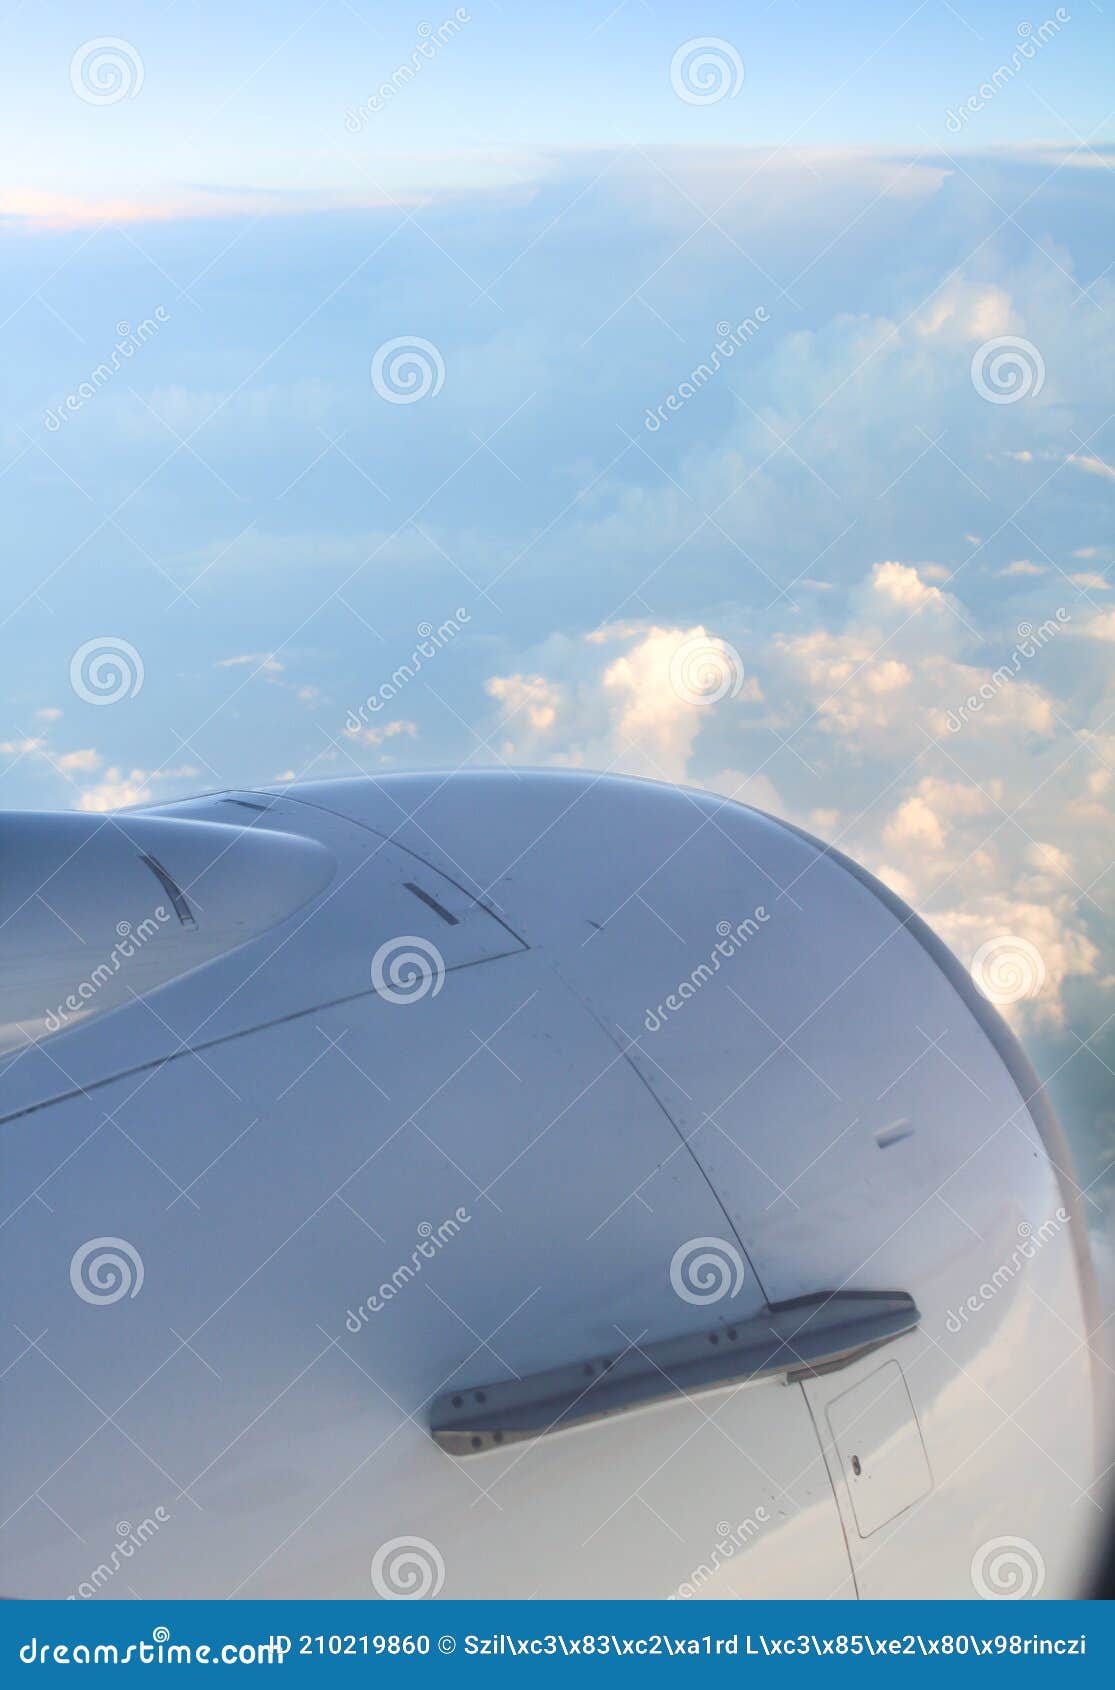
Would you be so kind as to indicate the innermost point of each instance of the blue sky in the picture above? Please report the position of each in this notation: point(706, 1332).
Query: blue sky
point(852, 512)
point(241, 96)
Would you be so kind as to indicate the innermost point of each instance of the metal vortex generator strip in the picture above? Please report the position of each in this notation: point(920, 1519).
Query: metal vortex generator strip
point(804, 1336)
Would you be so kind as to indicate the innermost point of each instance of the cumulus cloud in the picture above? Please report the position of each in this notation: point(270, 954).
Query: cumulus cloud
point(902, 585)
point(943, 744)
point(117, 791)
point(79, 762)
point(1021, 566)
point(639, 708)
point(380, 736)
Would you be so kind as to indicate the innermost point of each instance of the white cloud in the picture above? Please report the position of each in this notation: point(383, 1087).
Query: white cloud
point(264, 660)
point(1101, 627)
point(1021, 566)
point(117, 791)
point(79, 762)
point(379, 736)
point(1093, 465)
point(902, 585)
point(969, 311)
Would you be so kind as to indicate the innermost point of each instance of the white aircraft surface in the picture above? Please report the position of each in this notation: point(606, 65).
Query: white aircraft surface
point(496, 1184)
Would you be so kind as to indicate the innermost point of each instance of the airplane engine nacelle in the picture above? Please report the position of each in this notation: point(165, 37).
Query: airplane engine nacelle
point(496, 1184)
